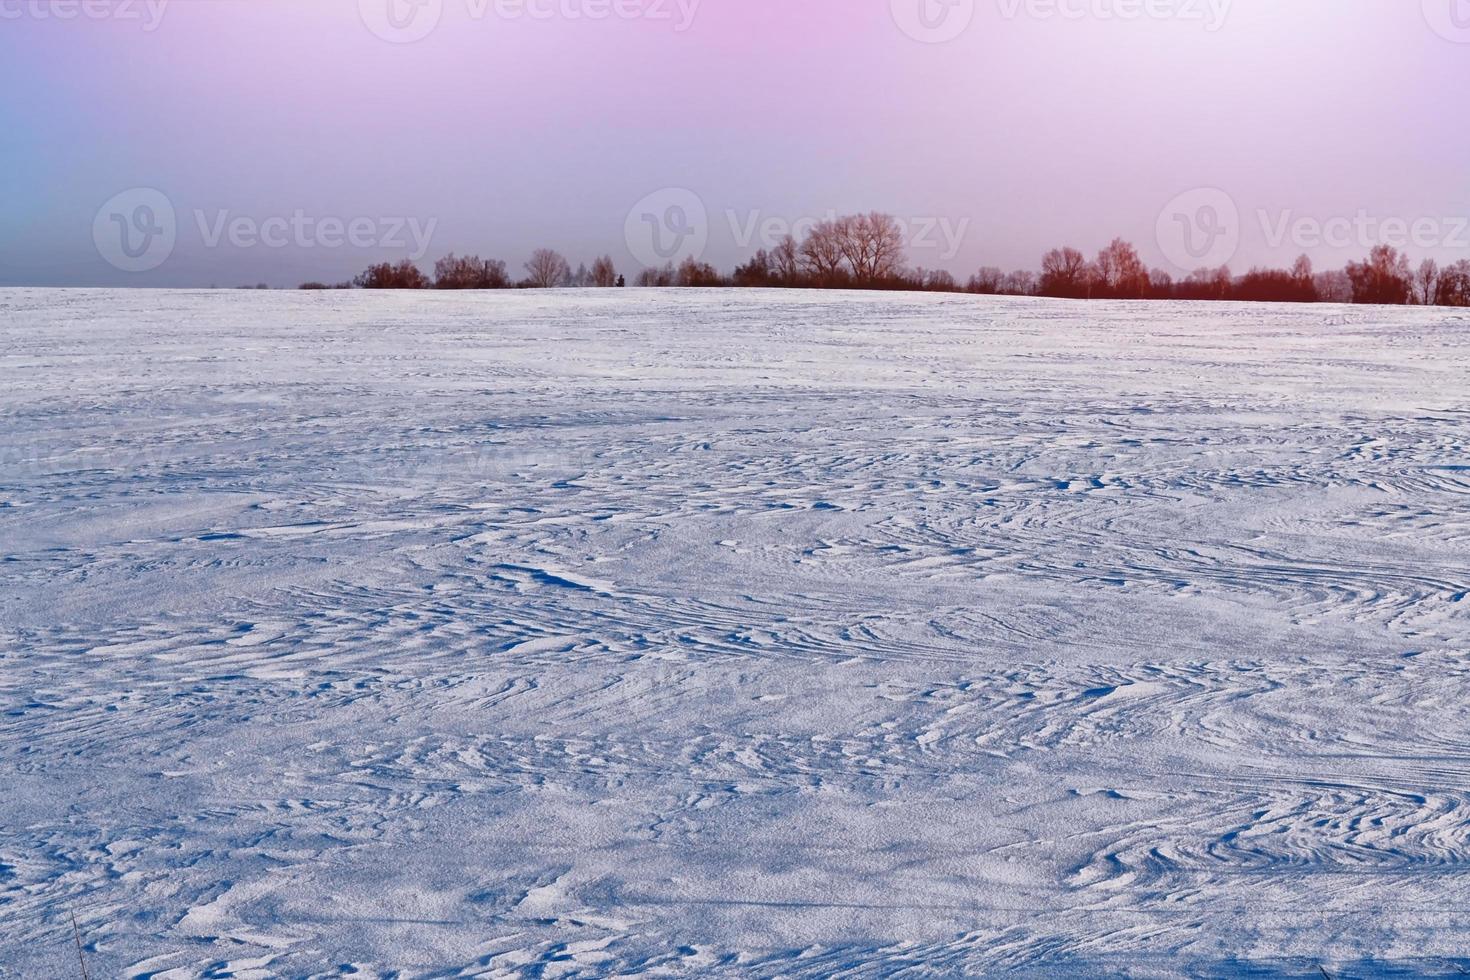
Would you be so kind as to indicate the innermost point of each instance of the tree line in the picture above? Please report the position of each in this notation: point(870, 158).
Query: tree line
point(547, 269)
point(1385, 277)
point(867, 251)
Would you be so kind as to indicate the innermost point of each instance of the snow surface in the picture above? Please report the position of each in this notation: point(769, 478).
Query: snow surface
point(731, 633)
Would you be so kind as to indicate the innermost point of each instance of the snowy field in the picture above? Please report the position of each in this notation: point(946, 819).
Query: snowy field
point(731, 634)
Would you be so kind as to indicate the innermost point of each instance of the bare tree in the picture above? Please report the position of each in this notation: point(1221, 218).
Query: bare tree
point(1092, 281)
point(887, 246)
point(657, 277)
point(988, 281)
point(1426, 282)
point(1262, 285)
point(1206, 284)
point(1121, 273)
point(1019, 283)
point(1301, 271)
point(821, 253)
point(1160, 284)
point(786, 261)
point(941, 281)
point(1333, 287)
point(872, 244)
point(469, 272)
point(849, 241)
point(1454, 285)
point(604, 273)
point(547, 269)
point(756, 272)
point(1062, 272)
point(692, 272)
point(1385, 278)
point(1222, 281)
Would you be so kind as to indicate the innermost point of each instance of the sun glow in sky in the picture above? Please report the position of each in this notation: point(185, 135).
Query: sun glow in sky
point(994, 128)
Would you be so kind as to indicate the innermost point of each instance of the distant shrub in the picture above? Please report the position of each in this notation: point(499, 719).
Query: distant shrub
point(694, 273)
point(1277, 285)
point(404, 275)
point(941, 281)
point(1384, 278)
point(470, 272)
point(756, 272)
point(1453, 288)
point(657, 277)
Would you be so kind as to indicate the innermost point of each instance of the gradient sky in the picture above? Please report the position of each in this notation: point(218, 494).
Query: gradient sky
point(1045, 122)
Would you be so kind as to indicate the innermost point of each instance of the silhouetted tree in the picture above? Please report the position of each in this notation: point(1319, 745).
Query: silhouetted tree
point(987, 282)
point(1333, 287)
point(695, 273)
point(1063, 274)
point(821, 254)
point(404, 275)
point(1120, 272)
point(872, 245)
point(1092, 281)
point(941, 281)
point(1453, 288)
point(1301, 271)
point(786, 262)
point(1426, 282)
point(1205, 284)
point(1384, 278)
point(1274, 286)
point(658, 277)
point(866, 250)
point(756, 272)
point(1222, 282)
point(604, 274)
point(470, 272)
point(547, 269)
point(1019, 283)
point(1160, 285)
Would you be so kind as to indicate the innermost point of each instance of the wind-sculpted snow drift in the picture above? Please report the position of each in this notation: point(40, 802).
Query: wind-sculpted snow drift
point(731, 633)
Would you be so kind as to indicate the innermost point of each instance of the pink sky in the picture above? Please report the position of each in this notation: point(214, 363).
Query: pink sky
point(1042, 123)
